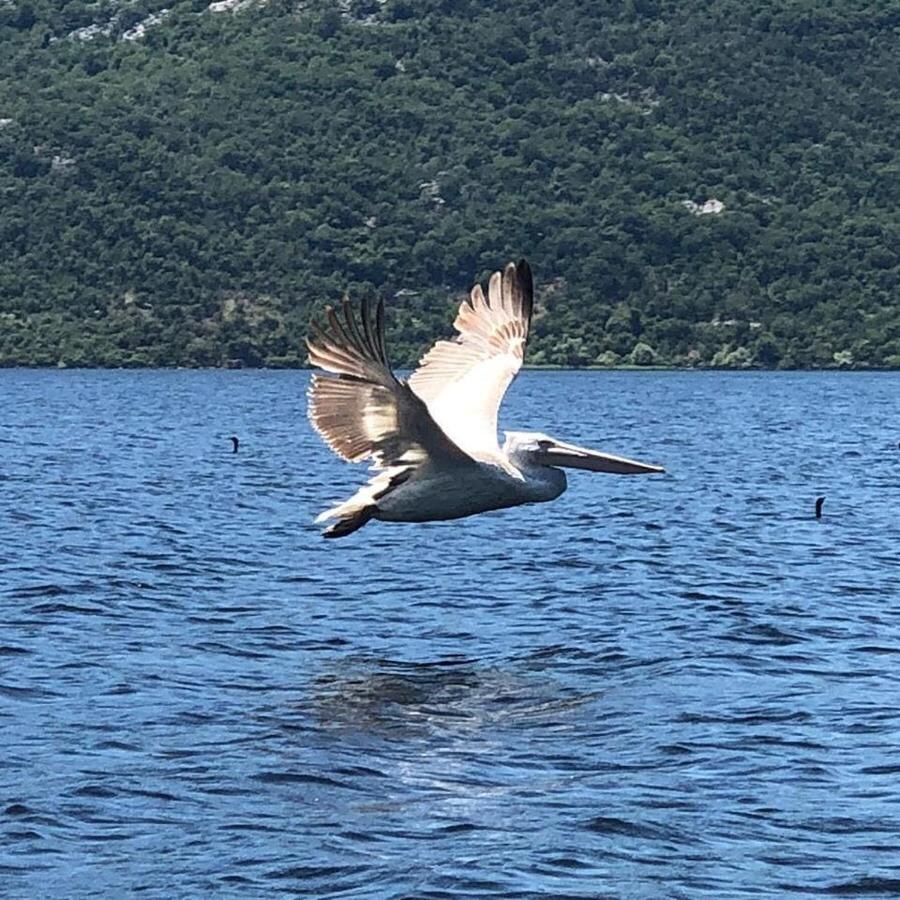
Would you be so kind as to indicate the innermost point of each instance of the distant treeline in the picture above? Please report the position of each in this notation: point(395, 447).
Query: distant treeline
point(695, 184)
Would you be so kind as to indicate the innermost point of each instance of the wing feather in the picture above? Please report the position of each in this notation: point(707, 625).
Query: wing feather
point(361, 410)
point(463, 381)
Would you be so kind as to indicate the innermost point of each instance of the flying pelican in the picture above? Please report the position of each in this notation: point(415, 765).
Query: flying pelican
point(433, 438)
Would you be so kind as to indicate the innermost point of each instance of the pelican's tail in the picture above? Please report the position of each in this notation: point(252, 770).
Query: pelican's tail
point(352, 514)
point(348, 524)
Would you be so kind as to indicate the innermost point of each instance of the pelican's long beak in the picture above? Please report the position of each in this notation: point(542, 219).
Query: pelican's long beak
point(572, 457)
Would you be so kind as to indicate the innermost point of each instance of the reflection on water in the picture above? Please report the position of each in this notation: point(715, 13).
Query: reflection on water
point(396, 699)
point(682, 686)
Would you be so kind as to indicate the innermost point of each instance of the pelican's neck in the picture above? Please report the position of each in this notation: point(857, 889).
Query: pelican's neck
point(547, 481)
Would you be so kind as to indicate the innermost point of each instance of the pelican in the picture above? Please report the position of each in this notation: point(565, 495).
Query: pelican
point(433, 439)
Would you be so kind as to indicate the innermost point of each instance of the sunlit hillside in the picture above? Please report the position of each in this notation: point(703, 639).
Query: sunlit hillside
point(694, 183)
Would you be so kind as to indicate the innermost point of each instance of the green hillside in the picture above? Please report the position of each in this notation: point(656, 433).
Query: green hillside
point(711, 183)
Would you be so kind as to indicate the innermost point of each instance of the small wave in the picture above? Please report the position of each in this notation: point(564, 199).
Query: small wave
point(53, 608)
point(18, 809)
point(309, 873)
point(38, 590)
point(93, 790)
point(613, 825)
point(300, 778)
point(15, 692)
point(881, 770)
point(859, 888)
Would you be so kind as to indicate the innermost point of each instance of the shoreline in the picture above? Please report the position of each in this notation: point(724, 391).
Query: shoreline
point(527, 368)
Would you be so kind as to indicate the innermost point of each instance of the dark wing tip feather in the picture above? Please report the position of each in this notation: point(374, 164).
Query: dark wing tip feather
point(350, 341)
point(526, 287)
point(379, 330)
point(518, 290)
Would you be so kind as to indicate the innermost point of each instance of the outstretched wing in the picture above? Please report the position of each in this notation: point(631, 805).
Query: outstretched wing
point(365, 412)
point(463, 381)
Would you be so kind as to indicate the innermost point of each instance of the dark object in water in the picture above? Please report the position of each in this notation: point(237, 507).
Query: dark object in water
point(236, 443)
point(819, 502)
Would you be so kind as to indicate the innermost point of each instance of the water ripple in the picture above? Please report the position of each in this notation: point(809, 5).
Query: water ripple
point(682, 686)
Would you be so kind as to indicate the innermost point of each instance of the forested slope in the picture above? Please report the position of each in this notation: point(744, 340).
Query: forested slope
point(707, 183)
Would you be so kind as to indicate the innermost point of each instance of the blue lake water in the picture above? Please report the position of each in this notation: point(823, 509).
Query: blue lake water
point(681, 686)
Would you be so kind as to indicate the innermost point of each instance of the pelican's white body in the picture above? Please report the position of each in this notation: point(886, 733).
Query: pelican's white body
point(434, 493)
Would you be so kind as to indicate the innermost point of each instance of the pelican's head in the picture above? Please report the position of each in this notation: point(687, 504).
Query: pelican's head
point(536, 449)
